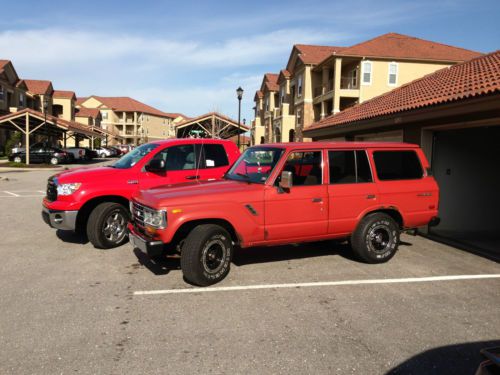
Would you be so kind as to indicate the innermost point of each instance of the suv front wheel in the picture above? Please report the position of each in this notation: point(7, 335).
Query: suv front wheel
point(376, 238)
point(206, 255)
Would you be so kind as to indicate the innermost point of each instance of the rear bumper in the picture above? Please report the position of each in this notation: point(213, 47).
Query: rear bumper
point(153, 249)
point(65, 220)
point(435, 221)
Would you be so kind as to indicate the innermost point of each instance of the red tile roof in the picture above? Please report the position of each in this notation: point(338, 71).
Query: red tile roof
point(126, 104)
point(87, 112)
point(64, 94)
point(258, 95)
point(393, 45)
point(283, 75)
point(79, 101)
point(39, 87)
point(477, 77)
point(310, 54)
point(271, 81)
point(3, 64)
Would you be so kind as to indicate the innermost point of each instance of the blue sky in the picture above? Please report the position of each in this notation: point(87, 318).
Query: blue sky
point(187, 56)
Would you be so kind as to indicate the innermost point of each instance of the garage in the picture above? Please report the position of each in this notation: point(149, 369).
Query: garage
point(454, 115)
point(466, 164)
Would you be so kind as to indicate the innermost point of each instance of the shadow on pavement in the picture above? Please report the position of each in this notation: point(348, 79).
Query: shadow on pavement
point(253, 255)
point(459, 359)
point(158, 266)
point(72, 237)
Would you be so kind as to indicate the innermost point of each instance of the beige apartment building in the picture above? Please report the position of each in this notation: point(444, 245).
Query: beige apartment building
point(323, 80)
point(134, 121)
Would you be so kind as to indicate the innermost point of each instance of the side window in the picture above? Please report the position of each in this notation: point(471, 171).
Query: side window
point(349, 167)
point(178, 158)
point(397, 165)
point(213, 156)
point(305, 168)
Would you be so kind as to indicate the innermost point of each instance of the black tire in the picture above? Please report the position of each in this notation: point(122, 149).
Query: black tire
point(18, 159)
point(376, 239)
point(54, 161)
point(103, 155)
point(206, 255)
point(107, 225)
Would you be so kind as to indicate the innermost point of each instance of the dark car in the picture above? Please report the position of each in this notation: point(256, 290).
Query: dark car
point(90, 154)
point(41, 153)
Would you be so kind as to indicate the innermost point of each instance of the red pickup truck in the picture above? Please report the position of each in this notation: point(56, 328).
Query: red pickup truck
point(289, 193)
point(96, 200)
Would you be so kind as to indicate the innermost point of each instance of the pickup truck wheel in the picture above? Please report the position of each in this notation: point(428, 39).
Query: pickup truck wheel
point(54, 161)
point(376, 238)
point(107, 225)
point(17, 159)
point(206, 255)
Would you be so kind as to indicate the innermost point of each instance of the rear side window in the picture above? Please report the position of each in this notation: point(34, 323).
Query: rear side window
point(349, 167)
point(397, 165)
point(213, 156)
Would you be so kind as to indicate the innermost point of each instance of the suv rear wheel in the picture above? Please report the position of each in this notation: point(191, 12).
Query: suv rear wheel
point(54, 161)
point(107, 225)
point(206, 255)
point(376, 238)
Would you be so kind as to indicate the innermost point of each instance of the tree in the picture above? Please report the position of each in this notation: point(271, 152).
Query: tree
point(12, 142)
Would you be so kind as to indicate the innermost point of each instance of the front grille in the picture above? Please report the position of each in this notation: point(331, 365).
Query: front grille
point(51, 190)
point(138, 213)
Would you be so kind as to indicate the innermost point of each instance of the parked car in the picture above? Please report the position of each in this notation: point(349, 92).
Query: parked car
point(116, 152)
point(77, 152)
point(90, 154)
point(96, 200)
point(125, 148)
point(43, 153)
point(290, 193)
point(105, 152)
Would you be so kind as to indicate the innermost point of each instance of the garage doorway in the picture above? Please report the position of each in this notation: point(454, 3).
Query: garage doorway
point(466, 165)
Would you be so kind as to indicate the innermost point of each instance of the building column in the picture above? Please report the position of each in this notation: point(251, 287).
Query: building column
point(336, 85)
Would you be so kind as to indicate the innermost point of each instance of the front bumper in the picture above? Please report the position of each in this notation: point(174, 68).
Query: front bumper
point(153, 249)
point(65, 220)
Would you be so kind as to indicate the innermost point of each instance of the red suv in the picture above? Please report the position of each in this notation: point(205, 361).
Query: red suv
point(96, 200)
point(289, 193)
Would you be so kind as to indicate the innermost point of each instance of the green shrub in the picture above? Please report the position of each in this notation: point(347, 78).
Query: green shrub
point(12, 142)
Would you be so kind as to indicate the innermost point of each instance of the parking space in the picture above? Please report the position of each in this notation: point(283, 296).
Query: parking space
point(67, 307)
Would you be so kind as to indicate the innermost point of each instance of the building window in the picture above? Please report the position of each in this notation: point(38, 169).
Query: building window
point(21, 99)
point(2, 93)
point(299, 86)
point(282, 95)
point(267, 104)
point(367, 72)
point(393, 74)
point(104, 115)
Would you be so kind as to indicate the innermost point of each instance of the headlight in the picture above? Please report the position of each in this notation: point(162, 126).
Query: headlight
point(156, 219)
point(68, 189)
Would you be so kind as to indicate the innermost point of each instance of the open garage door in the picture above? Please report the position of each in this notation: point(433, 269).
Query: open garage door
point(466, 164)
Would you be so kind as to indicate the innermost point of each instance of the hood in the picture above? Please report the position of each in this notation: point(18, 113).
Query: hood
point(198, 193)
point(92, 174)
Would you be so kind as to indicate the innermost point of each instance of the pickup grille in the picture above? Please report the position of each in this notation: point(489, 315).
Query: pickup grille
point(138, 213)
point(51, 190)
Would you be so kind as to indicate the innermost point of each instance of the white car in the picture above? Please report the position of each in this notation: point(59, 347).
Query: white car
point(78, 153)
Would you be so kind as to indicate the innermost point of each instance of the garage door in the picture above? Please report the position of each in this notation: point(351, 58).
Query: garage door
point(466, 164)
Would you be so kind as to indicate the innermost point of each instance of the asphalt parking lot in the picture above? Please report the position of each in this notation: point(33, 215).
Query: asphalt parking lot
point(69, 308)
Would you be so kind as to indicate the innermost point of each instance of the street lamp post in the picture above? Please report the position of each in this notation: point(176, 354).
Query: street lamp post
point(239, 94)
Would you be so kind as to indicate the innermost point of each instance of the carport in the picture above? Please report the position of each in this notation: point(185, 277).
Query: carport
point(210, 125)
point(454, 115)
point(33, 123)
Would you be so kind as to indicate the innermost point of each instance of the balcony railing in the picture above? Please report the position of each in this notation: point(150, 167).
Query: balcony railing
point(349, 83)
point(319, 90)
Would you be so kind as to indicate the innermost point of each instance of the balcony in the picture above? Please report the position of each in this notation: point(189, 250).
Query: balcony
point(321, 90)
point(349, 83)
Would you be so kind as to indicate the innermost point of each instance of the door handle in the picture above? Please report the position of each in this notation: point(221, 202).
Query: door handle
point(424, 195)
point(370, 196)
point(317, 200)
point(192, 177)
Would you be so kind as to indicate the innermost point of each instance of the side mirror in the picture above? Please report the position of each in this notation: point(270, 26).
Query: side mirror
point(286, 180)
point(156, 166)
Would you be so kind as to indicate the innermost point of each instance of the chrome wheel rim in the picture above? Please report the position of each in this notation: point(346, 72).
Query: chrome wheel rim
point(379, 238)
point(114, 227)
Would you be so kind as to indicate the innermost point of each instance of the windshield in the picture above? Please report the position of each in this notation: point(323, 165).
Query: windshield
point(255, 165)
point(131, 159)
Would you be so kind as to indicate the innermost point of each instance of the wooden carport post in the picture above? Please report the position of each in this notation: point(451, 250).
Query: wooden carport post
point(64, 138)
point(27, 138)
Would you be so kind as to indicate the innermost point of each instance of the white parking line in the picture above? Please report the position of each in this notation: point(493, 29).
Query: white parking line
point(318, 284)
point(11, 194)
